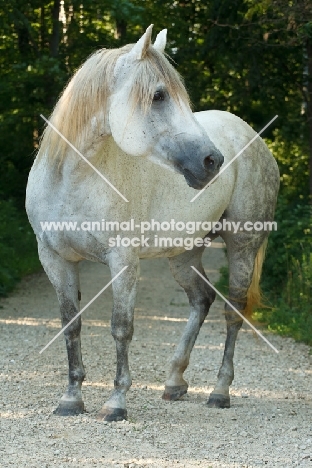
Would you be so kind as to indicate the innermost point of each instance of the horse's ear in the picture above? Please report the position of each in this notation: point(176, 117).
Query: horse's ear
point(160, 41)
point(139, 49)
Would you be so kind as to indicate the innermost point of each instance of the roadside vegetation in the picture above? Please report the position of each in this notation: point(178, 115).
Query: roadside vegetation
point(18, 246)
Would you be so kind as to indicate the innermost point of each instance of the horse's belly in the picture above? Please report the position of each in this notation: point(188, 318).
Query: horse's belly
point(164, 251)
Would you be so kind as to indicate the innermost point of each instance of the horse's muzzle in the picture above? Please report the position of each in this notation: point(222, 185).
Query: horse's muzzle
point(197, 183)
point(213, 162)
point(198, 172)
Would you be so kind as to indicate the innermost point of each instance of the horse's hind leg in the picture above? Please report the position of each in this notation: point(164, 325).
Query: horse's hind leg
point(64, 276)
point(200, 296)
point(242, 250)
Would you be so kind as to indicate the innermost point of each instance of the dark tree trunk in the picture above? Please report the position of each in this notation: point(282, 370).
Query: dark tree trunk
point(121, 26)
point(55, 36)
point(309, 109)
point(23, 33)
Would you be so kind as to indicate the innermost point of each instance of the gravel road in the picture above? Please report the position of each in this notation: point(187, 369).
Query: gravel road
point(269, 422)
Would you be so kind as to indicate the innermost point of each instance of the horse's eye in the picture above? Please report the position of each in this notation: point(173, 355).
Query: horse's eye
point(159, 96)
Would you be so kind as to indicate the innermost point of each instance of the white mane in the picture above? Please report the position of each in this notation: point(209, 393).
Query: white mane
point(87, 93)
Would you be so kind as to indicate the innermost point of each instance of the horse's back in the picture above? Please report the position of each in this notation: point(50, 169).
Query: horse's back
point(228, 131)
point(257, 174)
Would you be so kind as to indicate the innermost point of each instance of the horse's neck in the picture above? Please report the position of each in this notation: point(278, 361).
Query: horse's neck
point(97, 146)
point(132, 176)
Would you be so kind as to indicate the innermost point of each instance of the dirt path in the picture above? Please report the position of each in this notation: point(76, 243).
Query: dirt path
point(269, 423)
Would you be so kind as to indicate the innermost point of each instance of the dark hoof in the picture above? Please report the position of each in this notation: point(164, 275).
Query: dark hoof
point(112, 414)
point(216, 400)
point(69, 408)
point(174, 393)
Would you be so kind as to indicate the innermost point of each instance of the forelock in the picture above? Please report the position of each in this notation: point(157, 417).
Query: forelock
point(147, 73)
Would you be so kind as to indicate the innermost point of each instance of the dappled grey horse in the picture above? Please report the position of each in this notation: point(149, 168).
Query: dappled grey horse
point(126, 110)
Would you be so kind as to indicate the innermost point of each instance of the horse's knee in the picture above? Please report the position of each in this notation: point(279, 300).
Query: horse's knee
point(122, 334)
point(73, 330)
point(122, 329)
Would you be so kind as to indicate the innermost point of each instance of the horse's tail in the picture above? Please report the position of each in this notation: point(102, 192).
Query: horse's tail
point(254, 296)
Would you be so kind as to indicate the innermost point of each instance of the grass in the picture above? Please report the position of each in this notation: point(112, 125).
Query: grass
point(18, 247)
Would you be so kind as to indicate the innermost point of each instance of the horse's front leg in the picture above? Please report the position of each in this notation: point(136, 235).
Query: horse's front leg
point(200, 296)
point(124, 295)
point(64, 276)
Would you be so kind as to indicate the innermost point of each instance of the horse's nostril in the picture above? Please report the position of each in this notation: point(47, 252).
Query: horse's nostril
point(209, 162)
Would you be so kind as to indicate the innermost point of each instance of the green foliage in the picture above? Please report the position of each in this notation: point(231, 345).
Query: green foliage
point(292, 314)
point(223, 282)
point(287, 272)
point(291, 240)
point(18, 247)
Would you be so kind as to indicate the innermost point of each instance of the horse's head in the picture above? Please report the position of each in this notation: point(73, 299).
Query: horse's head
point(150, 114)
